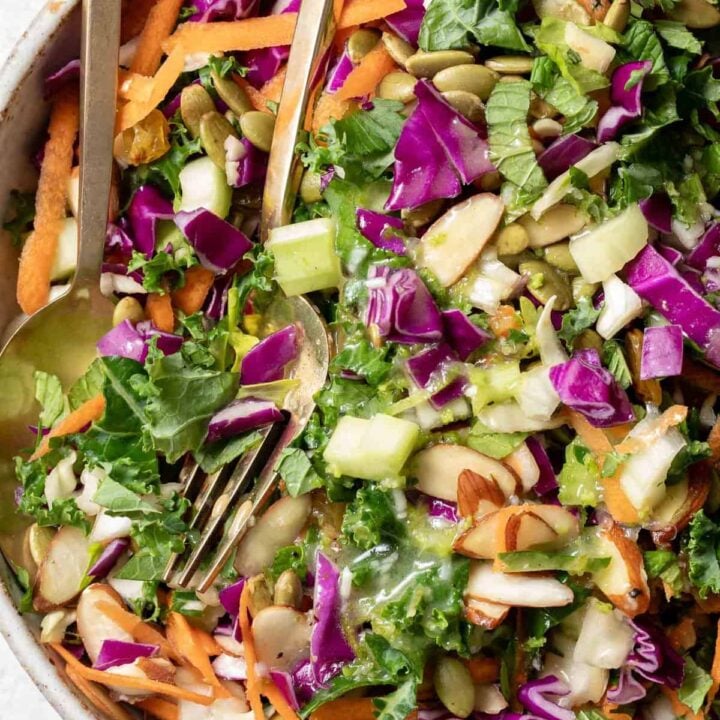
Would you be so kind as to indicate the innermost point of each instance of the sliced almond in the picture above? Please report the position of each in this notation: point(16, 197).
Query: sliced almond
point(485, 614)
point(282, 637)
point(480, 541)
point(526, 531)
point(561, 520)
point(94, 627)
point(157, 669)
point(477, 495)
point(523, 462)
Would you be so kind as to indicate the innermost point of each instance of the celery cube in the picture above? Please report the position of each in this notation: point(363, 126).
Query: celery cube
point(305, 258)
point(204, 185)
point(344, 452)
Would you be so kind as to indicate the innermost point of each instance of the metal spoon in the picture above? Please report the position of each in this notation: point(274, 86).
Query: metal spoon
point(60, 338)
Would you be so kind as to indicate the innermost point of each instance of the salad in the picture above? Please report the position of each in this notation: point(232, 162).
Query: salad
point(505, 504)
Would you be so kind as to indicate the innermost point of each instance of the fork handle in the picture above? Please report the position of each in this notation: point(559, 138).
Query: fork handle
point(98, 93)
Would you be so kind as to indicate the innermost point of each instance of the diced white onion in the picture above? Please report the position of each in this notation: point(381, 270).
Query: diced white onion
point(510, 417)
point(605, 639)
point(61, 481)
point(621, 305)
point(109, 527)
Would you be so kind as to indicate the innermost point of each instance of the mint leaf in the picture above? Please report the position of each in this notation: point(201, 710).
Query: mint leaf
point(49, 393)
point(678, 36)
point(641, 43)
point(118, 499)
point(88, 385)
point(297, 472)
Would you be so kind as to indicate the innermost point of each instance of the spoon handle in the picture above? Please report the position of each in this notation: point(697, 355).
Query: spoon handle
point(98, 92)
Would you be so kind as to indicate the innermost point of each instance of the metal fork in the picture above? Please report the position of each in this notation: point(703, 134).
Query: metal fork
point(216, 497)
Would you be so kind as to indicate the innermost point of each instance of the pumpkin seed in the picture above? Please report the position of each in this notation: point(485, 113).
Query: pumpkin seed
point(618, 15)
point(476, 79)
point(545, 281)
point(397, 48)
point(128, 308)
point(588, 339)
point(696, 14)
point(556, 224)
point(259, 596)
point(511, 78)
point(360, 43)
point(397, 86)
point(510, 64)
point(231, 93)
point(428, 64)
point(454, 686)
point(288, 589)
point(467, 104)
point(214, 131)
point(310, 187)
point(512, 239)
point(195, 101)
point(583, 289)
point(541, 109)
point(491, 181)
point(547, 128)
point(423, 214)
point(558, 255)
point(258, 128)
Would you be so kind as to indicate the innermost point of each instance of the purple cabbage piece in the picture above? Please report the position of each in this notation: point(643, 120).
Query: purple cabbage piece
point(662, 352)
point(563, 153)
point(283, 682)
point(443, 509)
point(118, 652)
point(658, 212)
point(146, 208)
point(585, 386)
point(329, 648)
point(653, 657)
point(462, 334)
point(547, 484)
point(267, 360)
point(454, 390)
point(245, 164)
point(70, 72)
point(123, 341)
point(108, 558)
point(209, 10)
point(626, 101)
point(534, 696)
point(218, 244)
point(378, 229)
point(628, 689)
point(117, 241)
point(240, 416)
point(230, 597)
point(217, 297)
point(338, 74)
point(425, 364)
point(167, 343)
point(304, 681)
point(438, 150)
point(709, 246)
point(406, 23)
point(264, 63)
point(671, 254)
point(657, 282)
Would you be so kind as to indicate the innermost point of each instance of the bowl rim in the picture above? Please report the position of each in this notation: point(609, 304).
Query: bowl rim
point(23, 58)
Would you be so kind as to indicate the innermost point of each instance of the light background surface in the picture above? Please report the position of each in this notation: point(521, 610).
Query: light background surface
point(19, 698)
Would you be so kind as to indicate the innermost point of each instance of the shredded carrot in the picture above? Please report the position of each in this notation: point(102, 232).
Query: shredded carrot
point(248, 34)
point(132, 86)
point(134, 16)
point(252, 686)
point(483, 669)
point(715, 671)
point(683, 635)
point(160, 23)
point(367, 75)
point(191, 296)
point(609, 709)
point(161, 709)
point(133, 112)
point(88, 412)
point(504, 320)
point(617, 501)
point(272, 89)
point(136, 683)
point(593, 437)
point(281, 705)
point(670, 418)
point(38, 254)
point(207, 642)
point(338, 6)
point(159, 310)
point(329, 107)
point(346, 709)
point(97, 696)
point(254, 95)
point(182, 638)
point(357, 12)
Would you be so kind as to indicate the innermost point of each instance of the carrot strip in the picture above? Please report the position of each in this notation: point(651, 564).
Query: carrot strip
point(715, 671)
point(252, 686)
point(159, 310)
point(248, 34)
point(346, 708)
point(161, 709)
point(357, 12)
point(670, 418)
point(88, 412)
point(133, 112)
point(38, 254)
point(483, 669)
point(338, 6)
point(329, 107)
point(272, 89)
point(120, 681)
point(342, 36)
point(609, 708)
point(207, 642)
point(191, 296)
point(134, 17)
point(160, 23)
point(181, 637)
point(683, 636)
point(367, 75)
point(281, 705)
point(97, 696)
point(254, 95)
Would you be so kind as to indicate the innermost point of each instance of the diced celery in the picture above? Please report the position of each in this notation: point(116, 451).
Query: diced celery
point(495, 383)
point(375, 449)
point(204, 185)
point(67, 249)
point(305, 258)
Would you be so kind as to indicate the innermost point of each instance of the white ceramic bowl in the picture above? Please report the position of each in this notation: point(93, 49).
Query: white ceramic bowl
point(53, 38)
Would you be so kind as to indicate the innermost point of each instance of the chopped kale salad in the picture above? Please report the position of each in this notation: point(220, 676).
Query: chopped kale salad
point(505, 505)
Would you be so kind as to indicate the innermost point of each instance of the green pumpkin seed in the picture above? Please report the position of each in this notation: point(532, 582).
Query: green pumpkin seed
point(510, 64)
point(558, 255)
point(696, 14)
point(428, 64)
point(195, 101)
point(259, 596)
point(454, 686)
point(582, 289)
point(397, 48)
point(310, 187)
point(467, 104)
point(258, 127)
point(397, 86)
point(618, 15)
point(588, 339)
point(541, 109)
point(547, 128)
point(511, 78)
point(491, 181)
point(476, 79)
point(545, 281)
point(128, 308)
point(512, 239)
point(360, 43)
point(232, 94)
point(214, 131)
point(423, 214)
point(288, 589)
